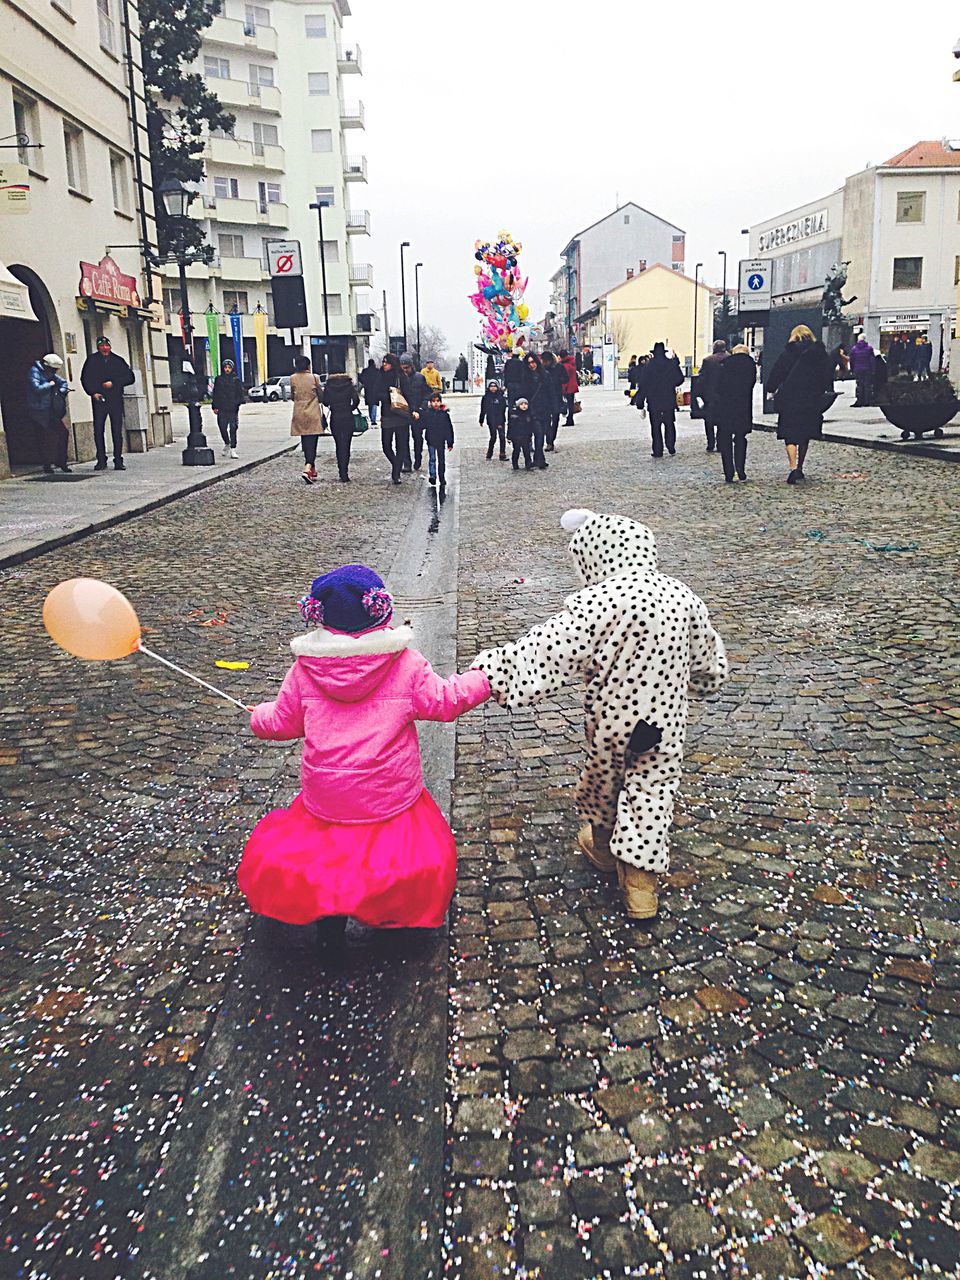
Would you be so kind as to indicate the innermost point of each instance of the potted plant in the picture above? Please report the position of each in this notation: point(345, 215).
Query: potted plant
point(918, 406)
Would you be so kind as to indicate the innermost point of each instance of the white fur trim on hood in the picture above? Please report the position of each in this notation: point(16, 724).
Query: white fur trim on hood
point(331, 644)
point(571, 520)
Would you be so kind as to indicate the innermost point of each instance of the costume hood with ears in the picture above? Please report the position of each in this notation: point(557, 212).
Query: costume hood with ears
point(604, 546)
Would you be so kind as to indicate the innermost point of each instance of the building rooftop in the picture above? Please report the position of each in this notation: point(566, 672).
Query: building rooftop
point(925, 155)
point(630, 204)
point(659, 266)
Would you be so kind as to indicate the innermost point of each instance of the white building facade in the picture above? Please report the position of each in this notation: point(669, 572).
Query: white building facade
point(74, 144)
point(283, 70)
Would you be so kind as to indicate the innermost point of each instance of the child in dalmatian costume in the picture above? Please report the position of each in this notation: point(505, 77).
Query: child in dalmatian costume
point(641, 643)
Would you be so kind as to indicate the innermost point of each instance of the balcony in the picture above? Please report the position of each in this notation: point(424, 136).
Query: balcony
point(242, 270)
point(366, 322)
point(351, 115)
point(358, 222)
point(226, 209)
point(349, 61)
point(355, 169)
point(361, 275)
point(234, 34)
point(274, 214)
point(238, 93)
point(243, 154)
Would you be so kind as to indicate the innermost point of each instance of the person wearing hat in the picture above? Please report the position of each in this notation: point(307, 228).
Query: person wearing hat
point(227, 397)
point(364, 838)
point(47, 405)
point(103, 377)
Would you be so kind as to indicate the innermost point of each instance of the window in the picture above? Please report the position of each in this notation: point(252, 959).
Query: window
point(315, 26)
point(26, 120)
point(260, 75)
point(264, 135)
point(255, 15)
point(216, 68)
point(105, 17)
point(321, 139)
point(226, 188)
point(171, 305)
point(271, 314)
point(910, 206)
point(269, 194)
point(334, 303)
point(907, 273)
point(325, 196)
point(230, 245)
point(118, 180)
point(318, 82)
point(331, 251)
point(235, 300)
point(626, 219)
point(76, 161)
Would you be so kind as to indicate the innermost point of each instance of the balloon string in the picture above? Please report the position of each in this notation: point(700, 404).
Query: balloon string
point(142, 648)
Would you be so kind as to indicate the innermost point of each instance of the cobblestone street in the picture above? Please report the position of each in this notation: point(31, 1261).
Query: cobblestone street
point(763, 1083)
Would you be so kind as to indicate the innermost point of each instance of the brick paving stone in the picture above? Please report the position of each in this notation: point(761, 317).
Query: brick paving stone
point(833, 1239)
point(690, 1227)
point(600, 1148)
point(773, 1259)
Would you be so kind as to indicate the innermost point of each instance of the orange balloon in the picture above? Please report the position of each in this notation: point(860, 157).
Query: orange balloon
point(91, 620)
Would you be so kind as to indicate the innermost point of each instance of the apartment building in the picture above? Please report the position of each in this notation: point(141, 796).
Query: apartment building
point(286, 73)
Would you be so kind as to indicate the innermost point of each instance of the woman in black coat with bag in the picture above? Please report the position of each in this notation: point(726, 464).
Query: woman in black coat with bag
point(395, 415)
point(732, 404)
point(556, 376)
point(799, 383)
point(342, 399)
point(535, 389)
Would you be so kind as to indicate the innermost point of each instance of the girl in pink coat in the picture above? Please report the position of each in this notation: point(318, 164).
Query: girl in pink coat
point(364, 838)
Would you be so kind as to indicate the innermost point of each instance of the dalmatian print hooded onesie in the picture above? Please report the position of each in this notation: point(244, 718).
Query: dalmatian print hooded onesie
point(641, 643)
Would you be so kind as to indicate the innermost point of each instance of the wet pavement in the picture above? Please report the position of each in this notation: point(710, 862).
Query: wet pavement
point(764, 1083)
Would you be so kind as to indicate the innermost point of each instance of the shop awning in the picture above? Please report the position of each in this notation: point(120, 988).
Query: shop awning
point(14, 298)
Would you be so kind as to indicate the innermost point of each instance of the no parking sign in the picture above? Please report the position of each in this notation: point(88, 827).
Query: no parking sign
point(284, 258)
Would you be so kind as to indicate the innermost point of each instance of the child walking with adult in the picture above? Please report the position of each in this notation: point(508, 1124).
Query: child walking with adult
point(364, 838)
point(639, 644)
point(342, 399)
point(520, 433)
point(493, 413)
point(226, 398)
point(438, 433)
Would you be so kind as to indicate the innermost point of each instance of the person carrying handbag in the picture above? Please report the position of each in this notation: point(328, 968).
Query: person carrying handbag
point(395, 416)
point(307, 420)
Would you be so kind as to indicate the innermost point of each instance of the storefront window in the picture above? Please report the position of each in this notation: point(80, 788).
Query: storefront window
point(907, 273)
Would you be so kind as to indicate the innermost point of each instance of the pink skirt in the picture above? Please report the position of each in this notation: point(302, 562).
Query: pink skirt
point(396, 874)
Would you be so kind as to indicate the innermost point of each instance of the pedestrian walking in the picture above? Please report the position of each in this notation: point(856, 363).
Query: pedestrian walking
point(924, 356)
point(493, 413)
point(371, 380)
point(438, 433)
point(225, 400)
point(431, 376)
point(639, 644)
point(733, 405)
point(799, 383)
point(571, 384)
point(343, 400)
point(863, 363)
point(536, 391)
point(633, 372)
point(395, 416)
point(307, 419)
point(555, 376)
point(103, 377)
point(707, 390)
point(364, 838)
point(658, 391)
point(513, 376)
point(47, 405)
point(418, 394)
point(520, 433)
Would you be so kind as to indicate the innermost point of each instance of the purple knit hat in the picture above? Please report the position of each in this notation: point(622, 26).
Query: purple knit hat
point(351, 598)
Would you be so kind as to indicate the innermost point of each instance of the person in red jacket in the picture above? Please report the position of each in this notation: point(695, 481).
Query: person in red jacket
point(570, 386)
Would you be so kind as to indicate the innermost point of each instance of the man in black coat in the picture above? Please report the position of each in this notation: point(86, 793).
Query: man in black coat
point(513, 376)
point(225, 401)
point(371, 380)
point(707, 390)
point(658, 390)
point(103, 377)
point(418, 400)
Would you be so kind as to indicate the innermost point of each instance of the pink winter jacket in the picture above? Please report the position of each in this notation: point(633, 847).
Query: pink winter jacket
point(354, 701)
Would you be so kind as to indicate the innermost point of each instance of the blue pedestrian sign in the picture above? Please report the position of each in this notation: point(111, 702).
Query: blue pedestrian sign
point(755, 282)
point(755, 287)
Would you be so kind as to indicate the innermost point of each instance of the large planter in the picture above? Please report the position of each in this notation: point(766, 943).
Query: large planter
point(916, 419)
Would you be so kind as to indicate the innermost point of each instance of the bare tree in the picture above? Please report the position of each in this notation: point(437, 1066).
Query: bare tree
point(619, 330)
point(433, 343)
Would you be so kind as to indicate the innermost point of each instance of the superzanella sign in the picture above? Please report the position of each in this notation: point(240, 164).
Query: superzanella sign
point(814, 224)
point(105, 282)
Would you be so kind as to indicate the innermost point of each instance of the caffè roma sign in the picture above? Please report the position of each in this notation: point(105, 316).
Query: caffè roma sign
point(105, 282)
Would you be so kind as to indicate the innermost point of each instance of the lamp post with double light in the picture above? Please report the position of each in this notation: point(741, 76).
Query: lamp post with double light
point(416, 294)
point(404, 244)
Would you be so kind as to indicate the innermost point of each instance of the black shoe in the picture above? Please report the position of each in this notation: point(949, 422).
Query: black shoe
point(48, 469)
point(417, 466)
point(516, 466)
point(66, 471)
point(503, 457)
point(431, 479)
point(542, 466)
point(792, 478)
point(406, 470)
point(118, 465)
point(656, 455)
point(711, 448)
point(528, 466)
point(551, 448)
point(490, 455)
point(344, 479)
point(101, 466)
point(671, 452)
point(800, 475)
point(728, 479)
point(741, 475)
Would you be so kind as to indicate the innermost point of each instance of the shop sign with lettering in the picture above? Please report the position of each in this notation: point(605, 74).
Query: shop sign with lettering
point(105, 282)
point(813, 224)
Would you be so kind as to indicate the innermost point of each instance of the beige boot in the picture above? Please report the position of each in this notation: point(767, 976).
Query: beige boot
point(639, 891)
point(595, 844)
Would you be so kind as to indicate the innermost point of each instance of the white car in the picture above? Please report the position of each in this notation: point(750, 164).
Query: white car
point(273, 389)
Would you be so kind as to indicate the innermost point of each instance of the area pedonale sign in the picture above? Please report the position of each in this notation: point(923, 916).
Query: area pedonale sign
point(105, 282)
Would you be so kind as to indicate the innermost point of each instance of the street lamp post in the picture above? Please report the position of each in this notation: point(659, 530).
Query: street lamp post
point(404, 244)
point(416, 294)
point(320, 205)
point(723, 303)
point(696, 301)
point(176, 200)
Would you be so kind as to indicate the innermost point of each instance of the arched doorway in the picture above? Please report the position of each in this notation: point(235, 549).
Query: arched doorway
point(22, 342)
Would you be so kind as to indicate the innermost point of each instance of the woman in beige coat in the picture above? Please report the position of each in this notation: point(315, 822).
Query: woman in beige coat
point(307, 421)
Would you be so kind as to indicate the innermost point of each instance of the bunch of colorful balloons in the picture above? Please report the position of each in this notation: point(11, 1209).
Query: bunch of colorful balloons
point(499, 295)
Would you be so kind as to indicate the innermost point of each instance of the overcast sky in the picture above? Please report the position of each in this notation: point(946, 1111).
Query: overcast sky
point(538, 116)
